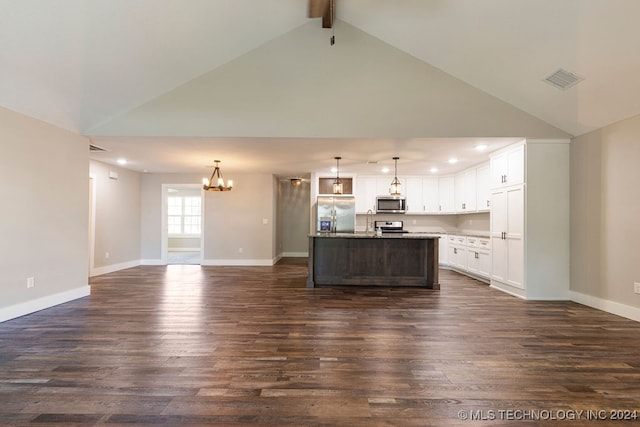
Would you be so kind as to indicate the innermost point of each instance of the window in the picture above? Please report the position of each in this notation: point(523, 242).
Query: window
point(183, 215)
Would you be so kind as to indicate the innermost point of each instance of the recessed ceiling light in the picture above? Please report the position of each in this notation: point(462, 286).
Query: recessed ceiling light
point(433, 170)
point(453, 161)
point(122, 161)
point(334, 169)
point(385, 170)
point(481, 147)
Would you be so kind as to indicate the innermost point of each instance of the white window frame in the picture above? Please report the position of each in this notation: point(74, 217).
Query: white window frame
point(187, 210)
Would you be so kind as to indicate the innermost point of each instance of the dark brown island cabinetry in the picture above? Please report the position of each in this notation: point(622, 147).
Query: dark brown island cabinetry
point(366, 260)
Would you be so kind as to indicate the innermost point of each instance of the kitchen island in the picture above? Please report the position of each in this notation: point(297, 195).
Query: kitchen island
point(368, 260)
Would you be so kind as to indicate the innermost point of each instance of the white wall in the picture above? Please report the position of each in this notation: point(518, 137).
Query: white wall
point(605, 207)
point(232, 220)
point(151, 212)
point(298, 85)
point(44, 185)
point(235, 232)
point(117, 218)
point(294, 216)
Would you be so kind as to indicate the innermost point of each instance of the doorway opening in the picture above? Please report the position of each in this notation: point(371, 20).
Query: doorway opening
point(182, 224)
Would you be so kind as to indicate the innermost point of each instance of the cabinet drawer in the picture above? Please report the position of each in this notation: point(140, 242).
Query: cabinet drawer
point(483, 243)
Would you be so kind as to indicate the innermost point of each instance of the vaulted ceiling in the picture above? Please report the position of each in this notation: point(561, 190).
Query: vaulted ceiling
point(204, 75)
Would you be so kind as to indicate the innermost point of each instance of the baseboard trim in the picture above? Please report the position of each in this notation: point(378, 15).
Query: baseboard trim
point(295, 254)
point(237, 262)
point(114, 267)
point(151, 262)
point(499, 286)
point(612, 307)
point(28, 307)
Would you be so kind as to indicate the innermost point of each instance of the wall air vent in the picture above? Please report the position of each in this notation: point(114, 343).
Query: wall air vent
point(96, 148)
point(563, 79)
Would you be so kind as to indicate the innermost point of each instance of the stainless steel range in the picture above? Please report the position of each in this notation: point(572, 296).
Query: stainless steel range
point(390, 226)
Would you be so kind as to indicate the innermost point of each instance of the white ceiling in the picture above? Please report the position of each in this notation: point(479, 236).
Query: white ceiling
point(81, 64)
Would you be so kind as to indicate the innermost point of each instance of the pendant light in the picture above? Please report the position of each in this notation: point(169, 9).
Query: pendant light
point(396, 187)
point(216, 184)
point(337, 183)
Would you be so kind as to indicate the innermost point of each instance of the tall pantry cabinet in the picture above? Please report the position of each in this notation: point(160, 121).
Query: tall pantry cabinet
point(530, 219)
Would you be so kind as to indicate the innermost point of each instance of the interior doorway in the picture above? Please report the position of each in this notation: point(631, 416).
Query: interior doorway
point(182, 224)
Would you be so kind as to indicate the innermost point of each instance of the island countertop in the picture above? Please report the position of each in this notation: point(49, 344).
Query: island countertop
point(362, 235)
point(393, 259)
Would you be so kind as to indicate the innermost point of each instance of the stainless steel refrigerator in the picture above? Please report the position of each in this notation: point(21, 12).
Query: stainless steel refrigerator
point(336, 214)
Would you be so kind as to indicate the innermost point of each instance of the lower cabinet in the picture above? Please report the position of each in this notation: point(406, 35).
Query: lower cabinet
point(470, 255)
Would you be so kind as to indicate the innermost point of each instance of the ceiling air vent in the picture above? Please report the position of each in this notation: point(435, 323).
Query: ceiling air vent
point(563, 79)
point(96, 148)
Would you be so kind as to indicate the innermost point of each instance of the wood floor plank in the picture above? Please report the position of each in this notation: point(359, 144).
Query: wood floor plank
point(191, 345)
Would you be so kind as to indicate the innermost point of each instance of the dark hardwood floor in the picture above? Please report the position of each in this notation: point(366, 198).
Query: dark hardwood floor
point(191, 345)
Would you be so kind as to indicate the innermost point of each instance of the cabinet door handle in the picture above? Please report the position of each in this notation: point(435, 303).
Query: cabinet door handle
point(488, 203)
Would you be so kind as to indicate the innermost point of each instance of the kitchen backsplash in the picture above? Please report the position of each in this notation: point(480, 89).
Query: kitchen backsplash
point(468, 223)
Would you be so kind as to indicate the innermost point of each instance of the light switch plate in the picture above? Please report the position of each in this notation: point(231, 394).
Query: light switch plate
point(636, 288)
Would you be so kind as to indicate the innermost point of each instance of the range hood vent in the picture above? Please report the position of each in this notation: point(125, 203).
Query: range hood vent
point(563, 79)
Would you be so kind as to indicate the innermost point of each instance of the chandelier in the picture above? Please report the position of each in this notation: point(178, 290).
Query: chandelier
point(337, 183)
point(216, 184)
point(396, 187)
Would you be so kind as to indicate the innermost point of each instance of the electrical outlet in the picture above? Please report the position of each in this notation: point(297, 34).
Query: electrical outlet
point(31, 282)
point(636, 288)
point(106, 255)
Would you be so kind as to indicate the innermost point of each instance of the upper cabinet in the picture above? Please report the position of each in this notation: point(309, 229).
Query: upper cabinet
point(325, 185)
point(465, 191)
point(483, 188)
point(446, 195)
point(507, 167)
point(365, 191)
point(430, 195)
point(415, 199)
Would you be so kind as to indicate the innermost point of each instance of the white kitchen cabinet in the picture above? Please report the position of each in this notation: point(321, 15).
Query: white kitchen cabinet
point(365, 193)
point(443, 250)
point(458, 252)
point(470, 255)
point(470, 188)
point(507, 167)
point(446, 194)
point(414, 195)
point(465, 191)
point(483, 188)
point(430, 198)
point(459, 192)
point(507, 235)
point(530, 220)
point(383, 185)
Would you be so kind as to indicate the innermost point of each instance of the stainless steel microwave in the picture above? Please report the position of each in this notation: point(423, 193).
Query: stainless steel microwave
point(391, 204)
